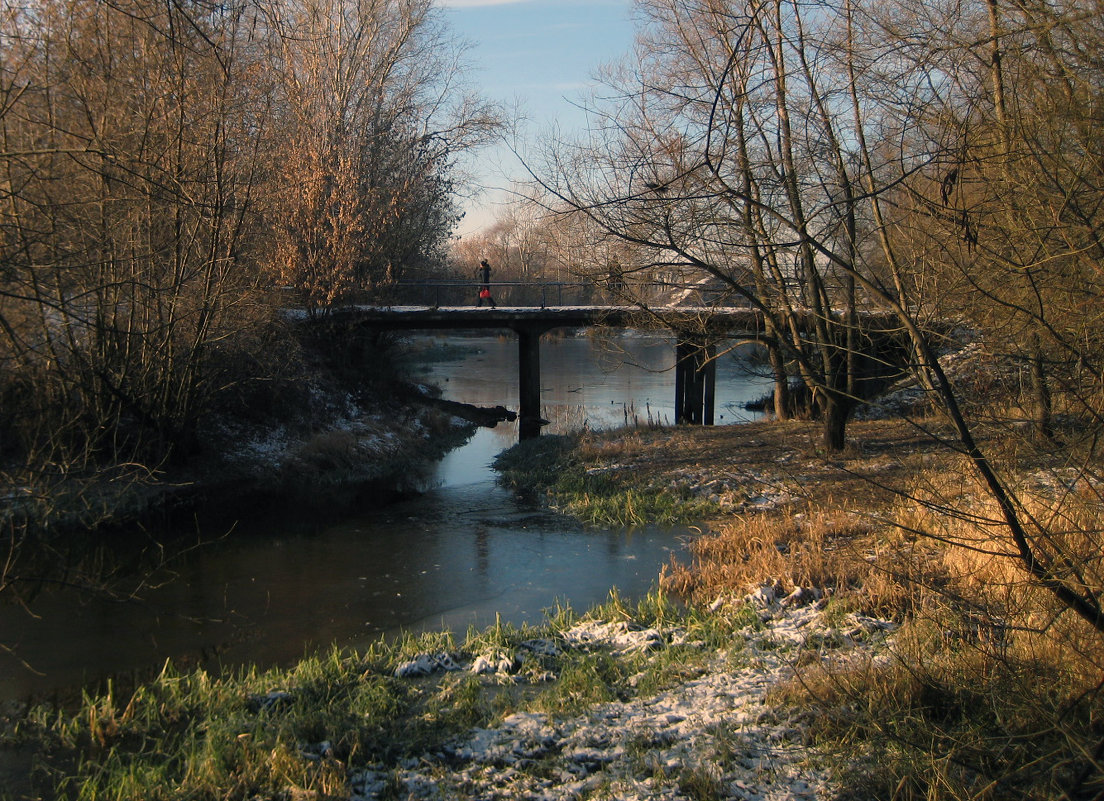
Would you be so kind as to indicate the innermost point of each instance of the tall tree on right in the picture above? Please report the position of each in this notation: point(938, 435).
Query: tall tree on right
point(860, 171)
point(729, 157)
point(1011, 216)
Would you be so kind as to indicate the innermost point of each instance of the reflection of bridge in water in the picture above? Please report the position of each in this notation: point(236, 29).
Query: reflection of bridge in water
point(696, 329)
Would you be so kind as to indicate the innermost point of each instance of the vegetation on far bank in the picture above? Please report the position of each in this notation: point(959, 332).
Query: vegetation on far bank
point(563, 470)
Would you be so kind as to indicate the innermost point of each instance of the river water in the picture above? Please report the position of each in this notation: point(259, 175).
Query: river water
point(461, 554)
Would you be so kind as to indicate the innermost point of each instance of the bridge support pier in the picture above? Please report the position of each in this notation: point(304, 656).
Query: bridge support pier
point(529, 384)
point(695, 381)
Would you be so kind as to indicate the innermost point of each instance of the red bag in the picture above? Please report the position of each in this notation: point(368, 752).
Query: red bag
point(484, 293)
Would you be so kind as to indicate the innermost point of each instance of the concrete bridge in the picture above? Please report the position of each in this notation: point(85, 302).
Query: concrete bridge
point(695, 328)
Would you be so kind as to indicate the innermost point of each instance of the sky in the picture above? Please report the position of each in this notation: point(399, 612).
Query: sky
point(541, 55)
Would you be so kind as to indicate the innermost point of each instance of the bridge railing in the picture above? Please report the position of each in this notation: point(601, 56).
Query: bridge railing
point(551, 294)
point(504, 293)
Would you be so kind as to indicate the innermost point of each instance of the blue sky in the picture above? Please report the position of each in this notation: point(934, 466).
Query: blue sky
point(541, 54)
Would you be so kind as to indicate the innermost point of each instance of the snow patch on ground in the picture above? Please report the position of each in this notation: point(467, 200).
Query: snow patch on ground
point(714, 729)
point(267, 447)
point(345, 436)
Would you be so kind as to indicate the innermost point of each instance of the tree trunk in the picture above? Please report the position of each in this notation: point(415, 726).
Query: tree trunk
point(782, 407)
point(1040, 388)
point(836, 413)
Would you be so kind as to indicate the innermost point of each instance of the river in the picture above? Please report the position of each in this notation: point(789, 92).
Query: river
point(461, 554)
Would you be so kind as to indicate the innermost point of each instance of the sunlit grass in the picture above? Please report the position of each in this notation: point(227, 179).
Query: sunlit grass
point(606, 494)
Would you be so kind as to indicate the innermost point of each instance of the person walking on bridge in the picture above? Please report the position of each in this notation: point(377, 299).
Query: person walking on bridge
point(485, 282)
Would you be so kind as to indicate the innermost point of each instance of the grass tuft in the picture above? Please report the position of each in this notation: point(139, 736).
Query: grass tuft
point(581, 476)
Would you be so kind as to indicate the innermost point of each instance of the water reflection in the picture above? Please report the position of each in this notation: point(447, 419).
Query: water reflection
point(600, 382)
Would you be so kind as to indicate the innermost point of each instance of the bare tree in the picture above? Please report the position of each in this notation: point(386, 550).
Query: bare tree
point(1017, 207)
point(154, 158)
point(828, 162)
point(130, 172)
point(371, 117)
point(707, 175)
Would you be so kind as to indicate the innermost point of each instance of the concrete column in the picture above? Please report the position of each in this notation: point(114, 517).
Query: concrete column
point(529, 384)
point(708, 372)
point(684, 377)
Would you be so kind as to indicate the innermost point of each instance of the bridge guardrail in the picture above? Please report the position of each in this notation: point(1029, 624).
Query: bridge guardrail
point(504, 293)
point(544, 294)
point(438, 293)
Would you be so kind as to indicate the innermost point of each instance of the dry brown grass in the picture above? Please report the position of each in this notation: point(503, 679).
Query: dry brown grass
point(992, 689)
point(1064, 519)
point(838, 552)
point(960, 711)
point(832, 534)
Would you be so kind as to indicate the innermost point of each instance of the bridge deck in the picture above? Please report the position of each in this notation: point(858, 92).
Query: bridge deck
point(541, 319)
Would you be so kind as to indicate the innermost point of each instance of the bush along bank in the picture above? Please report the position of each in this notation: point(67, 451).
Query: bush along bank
point(329, 426)
point(331, 454)
point(651, 700)
point(367, 454)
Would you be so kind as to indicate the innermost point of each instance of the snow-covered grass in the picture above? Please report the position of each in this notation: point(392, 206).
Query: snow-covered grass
point(347, 446)
point(650, 701)
point(647, 712)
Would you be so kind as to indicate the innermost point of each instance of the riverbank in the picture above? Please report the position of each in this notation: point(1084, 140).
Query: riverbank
point(691, 473)
point(361, 454)
point(650, 701)
point(987, 686)
point(339, 454)
point(822, 641)
point(347, 424)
